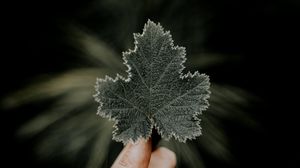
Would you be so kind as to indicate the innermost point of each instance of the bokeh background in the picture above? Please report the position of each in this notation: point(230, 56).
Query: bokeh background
point(57, 48)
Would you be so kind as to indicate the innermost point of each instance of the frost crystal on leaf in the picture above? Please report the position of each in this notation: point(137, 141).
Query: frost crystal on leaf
point(155, 93)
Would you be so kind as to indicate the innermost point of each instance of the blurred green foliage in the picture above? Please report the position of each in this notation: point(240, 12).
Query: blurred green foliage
point(70, 125)
point(96, 34)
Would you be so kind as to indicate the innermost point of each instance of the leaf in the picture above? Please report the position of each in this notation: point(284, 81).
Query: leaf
point(155, 93)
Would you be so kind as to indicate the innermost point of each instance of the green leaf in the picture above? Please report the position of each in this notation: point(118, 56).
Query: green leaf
point(155, 93)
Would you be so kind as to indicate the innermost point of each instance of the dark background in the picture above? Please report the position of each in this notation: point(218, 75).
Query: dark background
point(263, 33)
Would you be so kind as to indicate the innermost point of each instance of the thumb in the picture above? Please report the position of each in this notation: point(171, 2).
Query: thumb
point(134, 155)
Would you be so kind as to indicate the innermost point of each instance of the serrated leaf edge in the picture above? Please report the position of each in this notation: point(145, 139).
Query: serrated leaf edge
point(128, 79)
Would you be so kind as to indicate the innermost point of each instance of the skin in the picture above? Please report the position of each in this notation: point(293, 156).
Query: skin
point(140, 155)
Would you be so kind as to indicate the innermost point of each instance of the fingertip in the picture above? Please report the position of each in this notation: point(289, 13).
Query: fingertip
point(163, 158)
point(134, 155)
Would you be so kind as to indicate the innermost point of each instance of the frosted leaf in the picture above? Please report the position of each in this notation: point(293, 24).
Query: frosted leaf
point(155, 93)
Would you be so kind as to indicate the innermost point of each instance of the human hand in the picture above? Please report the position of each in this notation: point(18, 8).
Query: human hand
point(140, 155)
